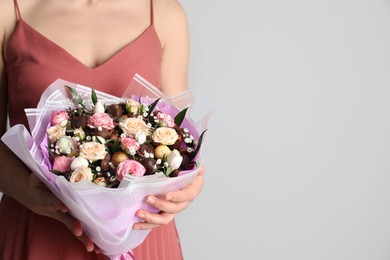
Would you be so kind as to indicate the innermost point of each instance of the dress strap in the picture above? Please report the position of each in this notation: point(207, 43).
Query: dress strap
point(151, 12)
point(17, 9)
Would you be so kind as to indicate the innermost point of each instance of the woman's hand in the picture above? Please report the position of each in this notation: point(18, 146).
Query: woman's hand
point(170, 204)
point(43, 202)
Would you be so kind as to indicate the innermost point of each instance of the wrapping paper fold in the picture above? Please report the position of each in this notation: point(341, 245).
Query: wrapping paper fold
point(107, 215)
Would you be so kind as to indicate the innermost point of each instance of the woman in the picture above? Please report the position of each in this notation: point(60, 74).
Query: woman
point(101, 44)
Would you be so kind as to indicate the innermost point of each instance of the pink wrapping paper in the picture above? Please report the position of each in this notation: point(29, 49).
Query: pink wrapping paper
point(107, 215)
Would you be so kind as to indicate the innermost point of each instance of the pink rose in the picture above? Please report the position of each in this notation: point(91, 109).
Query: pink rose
point(166, 120)
point(129, 145)
point(129, 167)
point(101, 120)
point(62, 163)
point(59, 117)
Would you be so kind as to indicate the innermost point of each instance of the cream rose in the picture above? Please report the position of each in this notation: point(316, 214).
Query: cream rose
point(81, 174)
point(165, 135)
point(55, 133)
point(131, 126)
point(93, 151)
point(132, 106)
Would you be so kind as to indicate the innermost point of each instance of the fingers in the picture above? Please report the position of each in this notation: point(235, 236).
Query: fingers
point(89, 246)
point(70, 222)
point(49, 205)
point(75, 227)
point(190, 192)
point(152, 220)
point(167, 206)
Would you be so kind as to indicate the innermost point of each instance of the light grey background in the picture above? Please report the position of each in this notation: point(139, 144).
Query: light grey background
point(298, 150)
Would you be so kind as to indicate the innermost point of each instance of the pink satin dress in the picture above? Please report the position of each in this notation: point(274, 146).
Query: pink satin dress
point(32, 63)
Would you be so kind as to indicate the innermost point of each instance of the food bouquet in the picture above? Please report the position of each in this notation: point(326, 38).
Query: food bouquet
point(102, 155)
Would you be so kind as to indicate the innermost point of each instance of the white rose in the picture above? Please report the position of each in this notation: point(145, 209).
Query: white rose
point(99, 107)
point(131, 126)
point(165, 135)
point(81, 174)
point(174, 159)
point(64, 145)
point(140, 137)
point(78, 163)
point(93, 151)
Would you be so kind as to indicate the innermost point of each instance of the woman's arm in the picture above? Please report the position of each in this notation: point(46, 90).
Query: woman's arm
point(15, 178)
point(172, 29)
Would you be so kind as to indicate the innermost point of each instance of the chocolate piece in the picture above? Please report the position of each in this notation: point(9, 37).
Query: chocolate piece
point(150, 165)
point(79, 121)
point(118, 157)
point(115, 110)
point(148, 148)
point(104, 132)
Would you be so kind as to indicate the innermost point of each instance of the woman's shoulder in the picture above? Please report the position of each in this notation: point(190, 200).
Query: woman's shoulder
point(170, 18)
point(8, 19)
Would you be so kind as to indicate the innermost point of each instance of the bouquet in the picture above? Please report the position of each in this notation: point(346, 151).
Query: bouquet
point(101, 154)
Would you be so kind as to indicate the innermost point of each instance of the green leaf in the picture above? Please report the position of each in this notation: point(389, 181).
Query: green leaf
point(76, 95)
point(116, 146)
point(199, 142)
point(57, 172)
point(94, 97)
point(97, 140)
point(152, 106)
point(168, 171)
point(179, 118)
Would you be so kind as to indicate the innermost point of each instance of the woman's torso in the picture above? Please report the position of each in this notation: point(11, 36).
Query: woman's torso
point(51, 40)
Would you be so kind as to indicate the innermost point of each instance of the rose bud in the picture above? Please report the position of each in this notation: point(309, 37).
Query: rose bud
point(79, 133)
point(115, 110)
point(81, 174)
point(99, 107)
point(79, 121)
point(161, 150)
point(140, 137)
point(118, 157)
point(150, 165)
point(64, 145)
point(62, 163)
point(174, 159)
point(79, 162)
point(132, 106)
